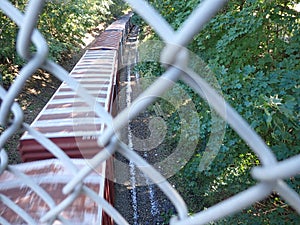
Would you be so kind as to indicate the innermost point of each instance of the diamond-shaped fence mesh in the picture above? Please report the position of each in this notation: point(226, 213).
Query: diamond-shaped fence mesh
point(80, 196)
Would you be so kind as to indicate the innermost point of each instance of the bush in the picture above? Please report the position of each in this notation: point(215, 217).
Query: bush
point(252, 48)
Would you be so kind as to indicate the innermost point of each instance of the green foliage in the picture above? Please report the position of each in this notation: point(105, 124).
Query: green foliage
point(252, 47)
point(175, 12)
point(68, 24)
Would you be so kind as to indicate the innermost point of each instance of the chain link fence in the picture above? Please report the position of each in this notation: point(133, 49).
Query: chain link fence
point(270, 174)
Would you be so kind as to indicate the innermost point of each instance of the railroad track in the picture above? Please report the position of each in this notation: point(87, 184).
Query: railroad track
point(72, 126)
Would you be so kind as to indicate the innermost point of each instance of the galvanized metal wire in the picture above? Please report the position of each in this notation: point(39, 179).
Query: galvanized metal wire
point(270, 175)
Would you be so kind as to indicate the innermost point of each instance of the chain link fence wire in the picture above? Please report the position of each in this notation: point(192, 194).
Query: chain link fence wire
point(270, 174)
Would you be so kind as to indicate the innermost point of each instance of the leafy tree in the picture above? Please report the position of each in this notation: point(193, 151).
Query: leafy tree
point(253, 49)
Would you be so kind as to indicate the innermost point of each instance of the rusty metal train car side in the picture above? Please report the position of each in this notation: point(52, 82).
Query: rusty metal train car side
point(74, 127)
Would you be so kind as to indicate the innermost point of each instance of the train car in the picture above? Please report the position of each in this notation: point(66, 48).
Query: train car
point(74, 127)
point(51, 175)
point(66, 119)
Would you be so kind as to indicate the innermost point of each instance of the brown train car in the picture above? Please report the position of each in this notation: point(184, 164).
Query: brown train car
point(51, 175)
point(74, 127)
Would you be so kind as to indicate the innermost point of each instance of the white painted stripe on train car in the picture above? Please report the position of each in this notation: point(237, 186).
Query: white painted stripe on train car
point(105, 85)
point(88, 73)
point(91, 62)
point(95, 65)
point(96, 59)
point(69, 122)
point(100, 65)
point(92, 75)
point(91, 92)
point(102, 83)
point(97, 56)
point(73, 100)
point(83, 134)
point(93, 79)
point(96, 71)
point(89, 70)
point(96, 62)
point(99, 52)
point(66, 110)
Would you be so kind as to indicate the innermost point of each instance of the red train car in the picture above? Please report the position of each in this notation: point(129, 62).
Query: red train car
point(66, 119)
point(74, 127)
point(52, 176)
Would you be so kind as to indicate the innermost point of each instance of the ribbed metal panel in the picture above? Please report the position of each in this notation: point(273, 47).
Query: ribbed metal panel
point(66, 119)
point(114, 35)
point(122, 24)
point(52, 176)
point(108, 40)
